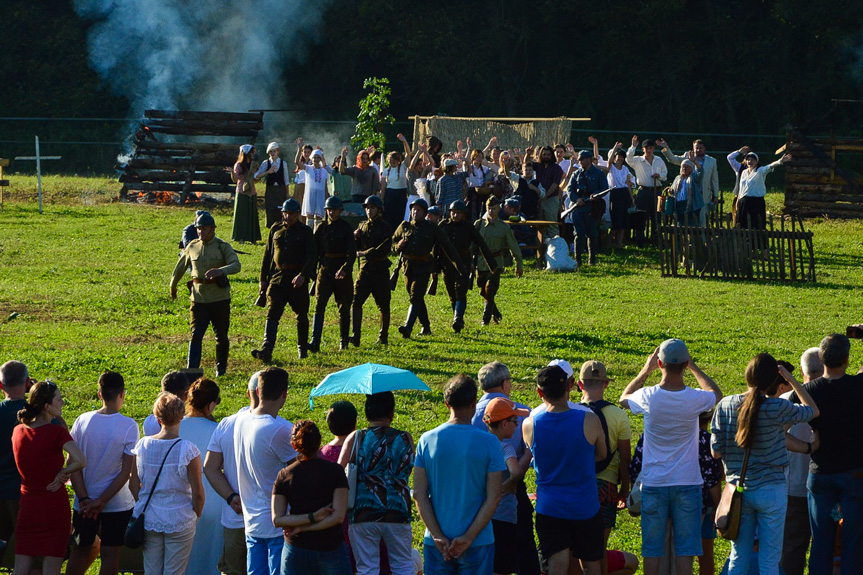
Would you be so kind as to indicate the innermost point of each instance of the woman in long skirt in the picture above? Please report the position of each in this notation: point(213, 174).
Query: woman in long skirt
point(247, 228)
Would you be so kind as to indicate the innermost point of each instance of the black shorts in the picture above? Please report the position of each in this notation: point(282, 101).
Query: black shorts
point(584, 538)
point(111, 527)
point(505, 546)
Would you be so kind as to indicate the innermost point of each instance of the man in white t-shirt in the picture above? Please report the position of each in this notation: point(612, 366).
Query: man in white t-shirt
point(262, 447)
point(670, 477)
point(220, 467)
point(103, 502)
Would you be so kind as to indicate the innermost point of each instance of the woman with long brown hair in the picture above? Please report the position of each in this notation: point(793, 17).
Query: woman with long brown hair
point(756, 420)
point(44, 516)
point(247, 228)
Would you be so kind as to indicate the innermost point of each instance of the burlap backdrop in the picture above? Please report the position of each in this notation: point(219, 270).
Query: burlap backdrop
point(545, 132)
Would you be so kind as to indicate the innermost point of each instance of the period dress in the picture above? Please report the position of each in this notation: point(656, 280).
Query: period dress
point(246, 228)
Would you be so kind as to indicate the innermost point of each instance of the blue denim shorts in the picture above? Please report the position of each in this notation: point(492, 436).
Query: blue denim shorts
point(679, 504)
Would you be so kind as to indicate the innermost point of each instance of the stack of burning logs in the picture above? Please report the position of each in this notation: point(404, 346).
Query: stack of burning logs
point(169, 158)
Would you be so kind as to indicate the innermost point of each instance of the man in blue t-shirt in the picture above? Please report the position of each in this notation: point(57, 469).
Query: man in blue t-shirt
point(457, 486)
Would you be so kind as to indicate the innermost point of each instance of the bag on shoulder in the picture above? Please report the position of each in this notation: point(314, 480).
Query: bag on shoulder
point(727, 518)
point(134, 536)
point(596, 407)
point(351, 471)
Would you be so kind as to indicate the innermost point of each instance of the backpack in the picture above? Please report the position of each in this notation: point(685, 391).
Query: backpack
point(596, 407)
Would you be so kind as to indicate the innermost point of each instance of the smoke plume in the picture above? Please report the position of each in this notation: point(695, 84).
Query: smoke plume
point(213, 55)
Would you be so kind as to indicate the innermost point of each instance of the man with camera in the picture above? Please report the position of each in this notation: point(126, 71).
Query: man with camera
point(212, 261)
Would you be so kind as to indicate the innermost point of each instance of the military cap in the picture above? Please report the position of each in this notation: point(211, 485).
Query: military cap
point(291, 205)
point(419, 202)
point(205, 220)
point(458, 205)
point(333, 203)
point(374, 201)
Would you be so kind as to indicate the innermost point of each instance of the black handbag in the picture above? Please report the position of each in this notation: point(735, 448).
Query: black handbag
point(134, 537)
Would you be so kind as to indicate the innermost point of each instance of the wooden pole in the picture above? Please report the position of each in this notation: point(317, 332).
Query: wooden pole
point(39, 173)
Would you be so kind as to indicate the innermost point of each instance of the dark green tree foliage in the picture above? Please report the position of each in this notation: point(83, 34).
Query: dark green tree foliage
point(374, 115)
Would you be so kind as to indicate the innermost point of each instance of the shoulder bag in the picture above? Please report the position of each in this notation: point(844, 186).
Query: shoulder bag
point(727, 517)
point(351, 471)
point(134, 536)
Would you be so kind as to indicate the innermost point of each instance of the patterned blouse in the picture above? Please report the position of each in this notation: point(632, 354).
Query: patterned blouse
point(385, 459)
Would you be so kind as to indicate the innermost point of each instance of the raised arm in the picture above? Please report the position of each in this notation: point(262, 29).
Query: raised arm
point(705, 381)
point(651, 365)
point(342, 160)
point(801, 392)
point(405, 145)
point(298, 159)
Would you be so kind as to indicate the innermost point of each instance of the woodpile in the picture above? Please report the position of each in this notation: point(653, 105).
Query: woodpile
point(168, 158)
point(783, 254)
point(824, 176)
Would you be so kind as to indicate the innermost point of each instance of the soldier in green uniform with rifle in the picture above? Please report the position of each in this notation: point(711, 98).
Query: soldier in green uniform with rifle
point(463, 235)
point(374, 239)
point(212, 260)
point(289, 262)
point(415, 240)
point(499, 238)
point(337, 251)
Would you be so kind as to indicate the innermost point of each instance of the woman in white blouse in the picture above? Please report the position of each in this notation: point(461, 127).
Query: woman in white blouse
point(749, 191)
point(178, 498)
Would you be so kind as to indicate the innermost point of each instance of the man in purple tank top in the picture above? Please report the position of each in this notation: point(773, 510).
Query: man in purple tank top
point(568, 517)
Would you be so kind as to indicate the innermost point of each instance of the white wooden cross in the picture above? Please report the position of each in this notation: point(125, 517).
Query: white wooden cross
point(38, 157)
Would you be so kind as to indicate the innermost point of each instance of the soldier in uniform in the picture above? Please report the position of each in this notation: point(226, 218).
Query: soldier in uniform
point(212, 261)
point(289, 262)
point(463, 235)
point(499, 238)
point(374, 238)
point(337, 251)
point(415, 240)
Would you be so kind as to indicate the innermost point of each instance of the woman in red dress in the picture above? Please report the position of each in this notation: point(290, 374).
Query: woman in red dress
point(44, 518)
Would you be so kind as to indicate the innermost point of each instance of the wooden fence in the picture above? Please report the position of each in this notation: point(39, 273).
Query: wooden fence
point(783, 254)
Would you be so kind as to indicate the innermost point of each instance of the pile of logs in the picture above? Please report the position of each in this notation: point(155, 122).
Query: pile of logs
point(163, 161)
point(816, 183)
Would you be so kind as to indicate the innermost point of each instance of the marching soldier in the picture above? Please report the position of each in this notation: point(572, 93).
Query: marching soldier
point(414, 240)
point(337, 251)
point(374, 238)
point(289, 262)
point(212, 261)
point(463, 235)
point(499, 238)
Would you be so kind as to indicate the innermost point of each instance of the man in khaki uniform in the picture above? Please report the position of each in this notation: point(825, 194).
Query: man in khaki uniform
point(499, 238)
point(212, 261)
point(374, 239)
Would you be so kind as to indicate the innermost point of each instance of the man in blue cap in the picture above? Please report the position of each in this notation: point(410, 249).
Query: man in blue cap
point(374, 239)
point(289, 261)
point(585, 184)
point(212, 260)
point(463, 236)
point(337, 251)
point(415, 240)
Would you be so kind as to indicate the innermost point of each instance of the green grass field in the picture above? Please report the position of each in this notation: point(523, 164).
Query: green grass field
point(88, 281)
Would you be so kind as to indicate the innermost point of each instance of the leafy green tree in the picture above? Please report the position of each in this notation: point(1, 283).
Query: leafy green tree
point(374, 115)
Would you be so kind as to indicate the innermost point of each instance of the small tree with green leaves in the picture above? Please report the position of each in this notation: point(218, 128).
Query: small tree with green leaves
point(374, 115)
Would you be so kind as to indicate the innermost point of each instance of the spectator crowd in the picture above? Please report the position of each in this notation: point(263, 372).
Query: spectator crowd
point(255, 493)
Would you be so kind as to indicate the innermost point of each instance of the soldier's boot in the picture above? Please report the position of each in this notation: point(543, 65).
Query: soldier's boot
point(317, 330)
point(423, 317)
point(384, 334)
point(193, 360)
point(344, 331)
point(486, 313)
point(265, 354)
point(458, 316)
point(496, 316)
point(406, 329)
point(222, 350)
point(302, 338)
point(357, 321)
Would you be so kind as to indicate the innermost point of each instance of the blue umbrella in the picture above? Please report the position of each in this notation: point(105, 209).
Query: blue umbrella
point(367, 378)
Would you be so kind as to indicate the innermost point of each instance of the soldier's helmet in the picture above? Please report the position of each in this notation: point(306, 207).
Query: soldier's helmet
point(458, 205)
point(374, 201)
point(204, 220)
point(421, 203)
point(434, 211)
point(291, 205)
point(333, 203)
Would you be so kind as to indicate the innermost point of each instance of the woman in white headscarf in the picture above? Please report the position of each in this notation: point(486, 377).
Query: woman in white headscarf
point(246, 228)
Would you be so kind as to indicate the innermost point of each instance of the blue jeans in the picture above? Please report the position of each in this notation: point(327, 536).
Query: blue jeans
point(682, 505)
point(763, 508)
point(299, 561)
point(477, 560)
point(825, 491)
point(264, 555)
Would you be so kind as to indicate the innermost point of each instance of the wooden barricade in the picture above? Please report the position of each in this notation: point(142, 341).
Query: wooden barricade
point(738, 254)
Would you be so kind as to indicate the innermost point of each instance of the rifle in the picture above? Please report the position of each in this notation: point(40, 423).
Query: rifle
point(433, 285)
point(471, 276)
point(394, 277)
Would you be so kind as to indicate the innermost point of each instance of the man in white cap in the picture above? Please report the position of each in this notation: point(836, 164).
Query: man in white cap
point(570, 379)
point(220, 467)
point(276, 172)
point(670, 478)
